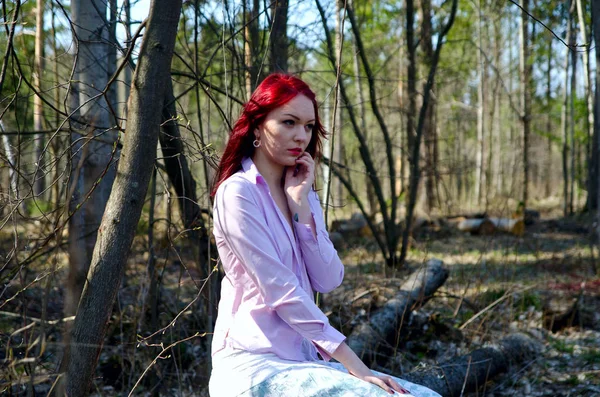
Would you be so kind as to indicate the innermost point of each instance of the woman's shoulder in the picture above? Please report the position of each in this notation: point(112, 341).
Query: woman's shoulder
point(235, 184)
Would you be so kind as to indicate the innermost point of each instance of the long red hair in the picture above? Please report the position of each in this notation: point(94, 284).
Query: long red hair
point(274, 91)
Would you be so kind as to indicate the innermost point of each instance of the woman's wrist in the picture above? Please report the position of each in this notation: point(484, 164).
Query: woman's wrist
point(351, 361)
point(300, 208)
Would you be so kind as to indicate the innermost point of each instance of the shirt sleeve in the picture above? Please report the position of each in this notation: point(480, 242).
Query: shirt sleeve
point(323, 264)
point(240, 222)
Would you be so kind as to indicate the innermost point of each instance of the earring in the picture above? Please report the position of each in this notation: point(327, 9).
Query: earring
point(256, 143)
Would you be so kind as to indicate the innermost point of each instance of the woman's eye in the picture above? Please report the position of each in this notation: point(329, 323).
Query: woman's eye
point(309, 127)
point(288, 122)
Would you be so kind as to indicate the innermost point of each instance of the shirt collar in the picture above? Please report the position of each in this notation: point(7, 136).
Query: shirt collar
point(250, 171)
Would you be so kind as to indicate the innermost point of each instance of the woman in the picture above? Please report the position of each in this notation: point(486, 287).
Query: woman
point(271, 238)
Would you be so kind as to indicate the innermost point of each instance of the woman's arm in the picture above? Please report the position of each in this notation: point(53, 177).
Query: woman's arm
point(356, 367)
point(323, 265)
point(240, 225)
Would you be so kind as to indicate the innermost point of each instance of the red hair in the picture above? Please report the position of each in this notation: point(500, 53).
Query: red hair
point(274, 91)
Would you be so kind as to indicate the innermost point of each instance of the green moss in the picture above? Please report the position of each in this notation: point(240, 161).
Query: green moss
point(562, 346)
point(591, 356)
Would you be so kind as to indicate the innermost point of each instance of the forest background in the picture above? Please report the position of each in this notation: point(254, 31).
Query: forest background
point(444, 117)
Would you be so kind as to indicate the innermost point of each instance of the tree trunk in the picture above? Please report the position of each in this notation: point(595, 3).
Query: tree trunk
point(414, 169)
point(385, 325)
point(596, 30)
point(468, 373)
point(338, 139)
point(563, 122)
point(509, 225)
point(182, 180)
point(278, 40)
point(478, 226)
point(572, 122)
point(429, 127)
point(251, 45)
point(38, 109)
point(479, 161)
point(548, 168)
point(93, 156)
point(371, 198)
point(57, 143)
point(587, 81)
point(495, 142)
point(12, 168)
point(127, 198)
point(525, 67)
point(111, 95)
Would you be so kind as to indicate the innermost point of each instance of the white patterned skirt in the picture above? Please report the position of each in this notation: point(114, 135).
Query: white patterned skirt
point(244, 374)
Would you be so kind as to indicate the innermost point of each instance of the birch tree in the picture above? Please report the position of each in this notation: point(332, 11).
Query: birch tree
point(38, 108)
point(93, 149)
point(127, 198)
point(525, 72)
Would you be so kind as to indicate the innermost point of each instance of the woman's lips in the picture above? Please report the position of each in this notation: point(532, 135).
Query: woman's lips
point(295, 152)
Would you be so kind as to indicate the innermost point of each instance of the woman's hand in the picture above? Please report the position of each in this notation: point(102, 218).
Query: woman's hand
point(299, 179)
point(356, 367)
point(387, 383)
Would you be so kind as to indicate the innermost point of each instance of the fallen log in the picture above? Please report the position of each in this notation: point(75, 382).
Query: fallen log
point(468, 373)
point(479, 226)
point(509, 225)
point(385, 324)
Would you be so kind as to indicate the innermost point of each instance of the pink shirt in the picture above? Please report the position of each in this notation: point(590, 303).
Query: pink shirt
point(271, 273)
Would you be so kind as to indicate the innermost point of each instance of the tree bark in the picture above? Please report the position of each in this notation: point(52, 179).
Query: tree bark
point(564, 122)
point(384, 326)
point(251, 45)
point(572, 122)
point(548, 171)
point(478, 226)
point(337, 134)
point(93, 173)
point(38, 108)
point(429, 127)
point(414, 166)
point(596, 30)
point(509, 225)
point(11, 159)
point(479, 160)
point(112, 92)
point(587, 81)
point(468, 373)
point(363, 147)
point(127, 198)
point(392, 236)
point(373, 207)
point(525, 71)
point(182, 180)
point(278, 40)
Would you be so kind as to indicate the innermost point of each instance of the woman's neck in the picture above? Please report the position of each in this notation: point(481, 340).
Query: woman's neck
point(271, 173)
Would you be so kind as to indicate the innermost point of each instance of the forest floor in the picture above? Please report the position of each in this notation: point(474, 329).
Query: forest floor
point(497, 285)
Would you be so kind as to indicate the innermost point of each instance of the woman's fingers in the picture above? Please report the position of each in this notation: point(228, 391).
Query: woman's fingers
point(380, 381)
point(388, 384)
point(396, 386)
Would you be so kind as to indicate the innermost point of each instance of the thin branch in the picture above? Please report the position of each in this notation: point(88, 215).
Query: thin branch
point(570, 46)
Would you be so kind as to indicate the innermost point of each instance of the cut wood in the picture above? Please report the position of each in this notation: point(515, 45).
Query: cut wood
point(508, 225)
point(468, 373)
point(481, 226)
point(385, 324)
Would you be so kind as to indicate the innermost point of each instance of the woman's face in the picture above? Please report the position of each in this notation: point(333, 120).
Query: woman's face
point(285, 133)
